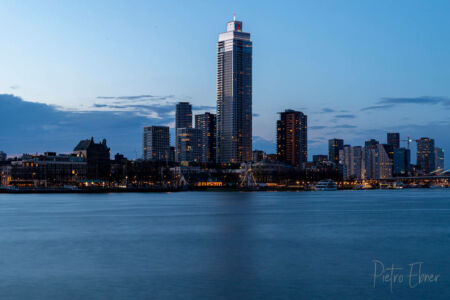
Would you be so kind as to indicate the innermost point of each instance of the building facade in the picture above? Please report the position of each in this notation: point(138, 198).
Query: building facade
point(183, 115)
point(156, 143)
point(393, 138)
point(334, 146)
point(402, 162)
point(292, 137)
point(369, 171)
point(207, 124)
point(234, 95)
point(425, 155)
point(48, 170)
point(97, 156)
point(189, 145)
point(439, 158)
point(258, 155)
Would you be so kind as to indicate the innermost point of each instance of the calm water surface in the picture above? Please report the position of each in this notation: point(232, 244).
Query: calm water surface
point(261, 245)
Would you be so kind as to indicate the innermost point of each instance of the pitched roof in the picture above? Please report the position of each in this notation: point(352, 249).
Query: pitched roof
point(82, 145)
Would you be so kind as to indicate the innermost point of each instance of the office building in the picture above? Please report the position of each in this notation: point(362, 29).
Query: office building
point(50, 169)
point(368, 156)
point(156, 143)
point(384, 156)
point(439, 158)
point(183, 115)
point(345, 161)
point(402, 162)
point(207, 124)
point(234, 95)
point(334, 146)
point(425, 155)
point(189, 145)
point(393, 138)
point(292, 138)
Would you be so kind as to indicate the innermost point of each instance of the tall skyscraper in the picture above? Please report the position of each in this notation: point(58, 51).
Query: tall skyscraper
point(402, 162)
point(346, 161)
point(207, 124)
point(393, 138)
point(425, 155)
point(384, 158)
point(370, 148)
point(334, 145)
point(439, 158)
point(234, 95)
point(183, 115)
point(189, 145)
point(156, 143)
point(183, 119)
point(292, 137)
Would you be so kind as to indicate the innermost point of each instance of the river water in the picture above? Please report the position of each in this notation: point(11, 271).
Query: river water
point(226, 245)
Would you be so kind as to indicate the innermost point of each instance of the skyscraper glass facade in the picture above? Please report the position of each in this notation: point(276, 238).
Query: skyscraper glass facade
point(234, 95)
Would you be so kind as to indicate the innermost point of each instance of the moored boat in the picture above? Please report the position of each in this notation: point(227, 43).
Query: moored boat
point(326, 185)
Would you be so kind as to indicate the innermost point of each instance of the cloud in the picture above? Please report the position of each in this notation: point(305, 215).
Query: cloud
point(14, 87)
point(256, 115)
point(345, 126)
point(378, 107)
point(127, 97)
point(327, 110)
point(347, 116)
point(203, 107)
point(431, 100)
point(28, 127)
point(317, 127)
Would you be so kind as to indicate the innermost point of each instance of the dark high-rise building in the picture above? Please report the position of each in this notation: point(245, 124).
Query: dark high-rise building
point(393, 138)
point(156, 143)
point(234, 95)
point(207, 124)
point(172, 154)
point(183, 115)
point(425, 155)
point(439, 158)
point(189, 145)
point(334, 146)
point(292, 137)
point(183, 119)
point(402, 162)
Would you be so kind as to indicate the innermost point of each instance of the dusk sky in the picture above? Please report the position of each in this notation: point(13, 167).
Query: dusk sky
point(358, 69)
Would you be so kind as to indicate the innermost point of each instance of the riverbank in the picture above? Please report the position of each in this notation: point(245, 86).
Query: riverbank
point(102, 190)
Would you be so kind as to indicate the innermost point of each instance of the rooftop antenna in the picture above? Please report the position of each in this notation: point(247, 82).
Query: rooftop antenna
point(234, 17)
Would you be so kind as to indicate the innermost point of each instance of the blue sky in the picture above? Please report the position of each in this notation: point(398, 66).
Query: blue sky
point(357, 68)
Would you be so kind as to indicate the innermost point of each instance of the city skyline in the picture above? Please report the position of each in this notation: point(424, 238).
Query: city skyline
point(395, 107)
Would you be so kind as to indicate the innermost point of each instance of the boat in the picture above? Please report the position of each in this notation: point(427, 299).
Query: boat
point(326, 185)
point(437, 186)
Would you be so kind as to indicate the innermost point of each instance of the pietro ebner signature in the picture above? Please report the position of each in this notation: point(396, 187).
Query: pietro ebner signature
point(411, 276)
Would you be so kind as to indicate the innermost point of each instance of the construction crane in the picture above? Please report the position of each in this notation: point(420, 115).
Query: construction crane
point(408, 141)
